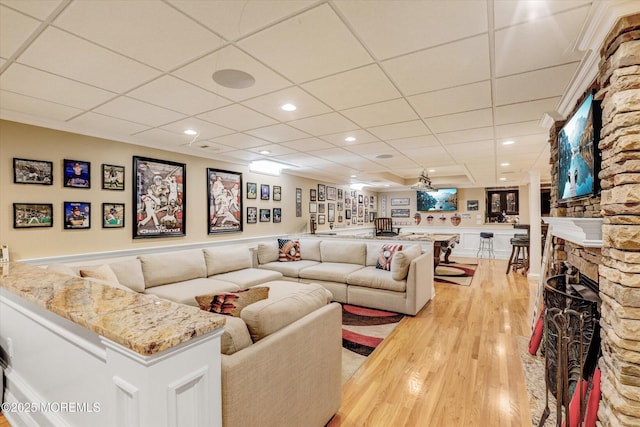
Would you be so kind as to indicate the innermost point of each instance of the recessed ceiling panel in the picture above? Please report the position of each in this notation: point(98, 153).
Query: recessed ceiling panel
point(206, 130)
point(461, 121)
point(454, 100)
point(400, 130)
point(525, 111)
point(478, 134)
point(277, 133)
point(513, 130)
point(307, 144)
point(237, 117)
point(540, 84)
point(340, 139)
point(325, 124)
point(508, 13)
point(37, 108)
point(138, 112)
point(240, 140)
point(37, 8)
point(107, 125)
point(382, 113)
point(405, 145)
point(273, 149)
point(15, 29)
point(271, 104)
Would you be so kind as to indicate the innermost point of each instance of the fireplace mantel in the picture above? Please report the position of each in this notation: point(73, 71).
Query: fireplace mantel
point(585, 232)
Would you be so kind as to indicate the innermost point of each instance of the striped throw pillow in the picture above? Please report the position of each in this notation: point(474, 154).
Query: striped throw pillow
point(289, 250)
point(386, 255)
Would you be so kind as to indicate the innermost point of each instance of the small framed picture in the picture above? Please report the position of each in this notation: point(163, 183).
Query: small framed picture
point(113, 215)
point(264, 192)
point(347, 214)
point(331, 193)
point(77, 174)
point(77, 215)
point(312, 194)
point(252, 190)
point(112, 177)
point(265, 215)
point(321, 219)
point(32, 172)
point(322, 192)
point(360, 199)
point(277, 193)
point(252, 215)
point(320, 207)
point(340, 195)
point(277, 214)
point(313, 207)
point(472, 205)
point(29, 215)
point(298, 202)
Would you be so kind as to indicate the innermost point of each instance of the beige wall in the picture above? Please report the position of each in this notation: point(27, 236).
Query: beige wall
point(30, 142)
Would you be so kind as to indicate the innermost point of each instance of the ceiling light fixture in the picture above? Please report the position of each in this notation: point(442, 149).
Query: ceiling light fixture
point(508, 142)
point(424, 183)
point(266, 167)
point(350, 139)
point(289, 107)
point(190, 132)
point(503, 179)
point(233, 79)
point(265, 152)
point(504, 164)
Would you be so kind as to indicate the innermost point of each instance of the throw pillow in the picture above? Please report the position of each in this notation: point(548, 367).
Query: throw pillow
point(386, 255)
point(102, 272)
point(289, 250)
point(232, 303)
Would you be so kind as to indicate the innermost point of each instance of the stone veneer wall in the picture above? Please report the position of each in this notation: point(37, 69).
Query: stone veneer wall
point(620, 202)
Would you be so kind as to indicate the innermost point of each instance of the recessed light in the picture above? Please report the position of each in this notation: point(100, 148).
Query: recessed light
point(289, 107)
point(354, 176)
point(265, 152)
point(234, 79)
point(508, 142)
point(504, 164)
point(432, 170)
point(190, 132)
point(503, 179)
point(350, 138)
point(387, 185)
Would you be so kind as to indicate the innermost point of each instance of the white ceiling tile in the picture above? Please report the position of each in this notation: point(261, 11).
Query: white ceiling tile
point(360, 135)
point(453, 64)
point(307, 144)
point(274, 150)
point(247, 156)
point(510, 131)
point(175, 94)
point(540, 84)
point(525, 111)
point(405, 145)
point(94, 121)
point(318, 30)
point(382, 113)
point(353, 88)
point(15, 102)
point(278, 133)
point(206, 130)
point(161, 137)
point(38, 84)
point(209, 148)
point(138, 112)
point(240, 140)
point(200, 73)
point(15, 29)
point(303, 159)
point(237, 117)
point(432, 156)
point(166, 39)
point(453, 100)
point(338, 155)
point(325, 124)
point(271, 104)
point(538, 44)
point(233, 19)
point(460, 121)
point(67, 55)
point(466, 135)
point(467, 151)
point(372, 149)
point(398, 27)
point(39, 9)
point(400, 130)
point(509, 12)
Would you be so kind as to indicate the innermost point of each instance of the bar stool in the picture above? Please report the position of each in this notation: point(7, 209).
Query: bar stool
point(486, 244)
point(519, 255)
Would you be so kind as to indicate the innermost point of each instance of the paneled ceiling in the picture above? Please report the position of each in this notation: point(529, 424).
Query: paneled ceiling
point(436, 85)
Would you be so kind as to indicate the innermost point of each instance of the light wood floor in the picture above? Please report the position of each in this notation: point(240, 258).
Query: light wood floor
point(454, 364)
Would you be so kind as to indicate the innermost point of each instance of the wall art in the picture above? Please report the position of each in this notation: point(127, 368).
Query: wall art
point(224, 195)
point(32, 172)
point(113, 215)
point(112, 177)
point(28, 215)
point(77, 215)
point(77, 174)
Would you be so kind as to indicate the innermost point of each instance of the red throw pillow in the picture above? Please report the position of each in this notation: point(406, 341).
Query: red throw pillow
point(232, 303)
point(386, 256)
point(289, 250)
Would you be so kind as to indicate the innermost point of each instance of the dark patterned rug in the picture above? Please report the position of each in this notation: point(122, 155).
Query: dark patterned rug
point(363, 329)
point(455, 273)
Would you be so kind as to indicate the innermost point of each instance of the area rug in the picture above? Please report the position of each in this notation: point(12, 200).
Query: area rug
point(455, 273)
point(363, 329)
point(533, 367)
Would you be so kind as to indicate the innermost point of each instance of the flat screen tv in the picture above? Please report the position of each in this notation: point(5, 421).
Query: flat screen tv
point(442, 199)
point(578, 154)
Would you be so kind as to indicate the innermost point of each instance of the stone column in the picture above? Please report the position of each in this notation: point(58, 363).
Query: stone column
point(620, 203)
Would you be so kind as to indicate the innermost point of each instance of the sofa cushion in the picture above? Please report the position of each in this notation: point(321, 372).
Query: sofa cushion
point(287, 302)
point(289, 269)
point(372, 277)
point(346, 252)
point(268, 252)
point(231, 303)
point(129, 273)
point(227, 258)
point(178, 266)
point(288, 250)
point(185, 292)
point(402, 260)
point(248, 277)
point(63, 269)
point(385, 256)
point(310, 249)
point(329, 271)
point(235, 336)
point(101, 272)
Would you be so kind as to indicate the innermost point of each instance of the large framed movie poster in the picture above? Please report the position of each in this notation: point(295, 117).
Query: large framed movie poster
point(224, 194)
point(159, 198)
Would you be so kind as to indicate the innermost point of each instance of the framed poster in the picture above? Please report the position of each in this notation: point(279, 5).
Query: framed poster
point(472, 205)
point(312, 194)
point(320, 207)
point(313, 207)
point(322, 191)
point(265, 215)
point(400, 202)
point(252, 215)
point(112, 177)
point(224, 195)
point(29, 215)
point(265, 192)
point(77, 174)
point(347, 214)
point(277, 193)
point(113, 215)
point(252, 190)
point(321, 219)
point(298, 202)
point(32, 172)
point(77, 215)
point(360, 199)
point(159, 198)
point(277, 215)
point(400, 213)
point(331, 193)
point(340, 195)
point(331, 212)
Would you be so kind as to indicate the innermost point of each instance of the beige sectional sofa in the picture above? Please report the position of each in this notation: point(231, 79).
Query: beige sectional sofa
point(348, 270)
point(281, 360)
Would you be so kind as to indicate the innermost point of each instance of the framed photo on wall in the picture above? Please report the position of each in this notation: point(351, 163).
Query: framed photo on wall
point(277, 193)
point(224, 195)
point(298, 202)
point(277, 215)
point(112, 177)
point(29, 215)
point(322, 191)
point(252, 215)
point(331, 193)
point(265, 215)
point(32, 172)
point(77, 174)
point(252, 190)
point(312, 194)
point(159, 198)
point(113, 215)
point(265, 192)
point(77, 215)
point(321, 219)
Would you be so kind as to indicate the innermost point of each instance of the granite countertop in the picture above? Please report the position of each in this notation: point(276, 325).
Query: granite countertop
point(143, 323)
